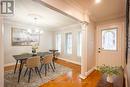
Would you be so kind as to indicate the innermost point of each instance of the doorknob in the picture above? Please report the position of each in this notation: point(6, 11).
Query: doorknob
point(99, 50)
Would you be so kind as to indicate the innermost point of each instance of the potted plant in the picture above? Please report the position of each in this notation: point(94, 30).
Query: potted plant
point(109, 71)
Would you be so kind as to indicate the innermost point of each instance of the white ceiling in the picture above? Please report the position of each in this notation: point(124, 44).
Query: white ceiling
point(106, 9)
point(26, 10)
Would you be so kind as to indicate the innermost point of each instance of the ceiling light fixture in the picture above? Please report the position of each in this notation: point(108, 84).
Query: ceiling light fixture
point(98, 1)
point(35, 30)
point(41, 32)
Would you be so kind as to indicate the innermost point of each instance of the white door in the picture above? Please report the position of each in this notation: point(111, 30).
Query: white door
point(108, 45)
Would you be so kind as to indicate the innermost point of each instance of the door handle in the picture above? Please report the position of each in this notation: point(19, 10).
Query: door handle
point(99, 50)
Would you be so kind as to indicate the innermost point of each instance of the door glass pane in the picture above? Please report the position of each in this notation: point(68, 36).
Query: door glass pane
point(109, 39)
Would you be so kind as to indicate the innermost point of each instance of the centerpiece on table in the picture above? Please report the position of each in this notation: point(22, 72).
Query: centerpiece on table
point(34, 49)
point(110, 71)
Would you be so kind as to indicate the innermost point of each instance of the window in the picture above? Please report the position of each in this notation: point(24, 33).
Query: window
point(68, 43)
point(79, 44)
point(58, 42)
point(109, 39)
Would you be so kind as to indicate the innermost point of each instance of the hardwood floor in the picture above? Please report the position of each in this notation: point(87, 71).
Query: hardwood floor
point(71, 79)
point(7, 68)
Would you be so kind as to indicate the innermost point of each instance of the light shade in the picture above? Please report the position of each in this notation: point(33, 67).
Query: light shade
point(97, 1)
point(29, 31)
point(41, 31)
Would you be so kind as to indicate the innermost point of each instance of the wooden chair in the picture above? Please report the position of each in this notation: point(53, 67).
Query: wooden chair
point(46, 61)
point(57, 54)
point(32, 63)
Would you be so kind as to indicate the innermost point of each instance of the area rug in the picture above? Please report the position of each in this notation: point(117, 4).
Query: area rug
point(10, 79)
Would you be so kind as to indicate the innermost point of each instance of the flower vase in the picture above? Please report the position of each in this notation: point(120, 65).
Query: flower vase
point(109, 78)
point(34, 52)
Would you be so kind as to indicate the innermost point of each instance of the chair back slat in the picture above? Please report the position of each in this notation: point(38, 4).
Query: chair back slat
point(47, 59)
point(33, 62)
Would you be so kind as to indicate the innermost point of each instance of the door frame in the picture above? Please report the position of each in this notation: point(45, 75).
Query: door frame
point(117, 24)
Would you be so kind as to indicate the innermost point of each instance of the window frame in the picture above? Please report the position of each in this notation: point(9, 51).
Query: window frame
point(56, 42)
point(79, 37)
point(67, 43)
point(116, 28)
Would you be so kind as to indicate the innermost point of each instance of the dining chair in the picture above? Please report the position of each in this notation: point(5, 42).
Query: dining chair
point(57, 54)
point(32, 63)
point(46, 62)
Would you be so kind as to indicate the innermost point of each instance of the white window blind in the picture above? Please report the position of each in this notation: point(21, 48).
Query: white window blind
point(58, 42)
point(79, 44)
point(68, 43)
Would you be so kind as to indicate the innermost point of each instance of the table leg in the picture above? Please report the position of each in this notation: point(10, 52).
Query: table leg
point(54, 60)
point(15, 66)
point(20, 70)
point(54, 64)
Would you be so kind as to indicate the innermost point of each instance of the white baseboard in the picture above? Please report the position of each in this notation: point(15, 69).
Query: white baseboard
point(85, 75)
point(82, 76)
point(9, 64)
point(90, 71)
point(78, 63)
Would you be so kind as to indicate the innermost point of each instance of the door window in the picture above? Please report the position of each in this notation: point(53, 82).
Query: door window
point(109, 39)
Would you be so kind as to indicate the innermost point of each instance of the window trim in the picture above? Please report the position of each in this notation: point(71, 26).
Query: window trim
point(56, 42)
point(66, 44)
point(77, 47)
point(116, 28)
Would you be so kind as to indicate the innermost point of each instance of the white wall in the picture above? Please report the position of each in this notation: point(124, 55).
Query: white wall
point(74, 29)
point(1, 55)
point(91, 59)
point(46, 42)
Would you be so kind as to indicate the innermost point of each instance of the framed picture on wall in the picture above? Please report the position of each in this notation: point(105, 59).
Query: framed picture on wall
point(22, 37)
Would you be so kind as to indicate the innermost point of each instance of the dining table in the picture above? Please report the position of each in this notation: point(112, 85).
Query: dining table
point(21, 58)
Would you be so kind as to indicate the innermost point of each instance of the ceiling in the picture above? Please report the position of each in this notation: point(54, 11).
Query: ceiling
point(26, 11)
point(106, 9)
